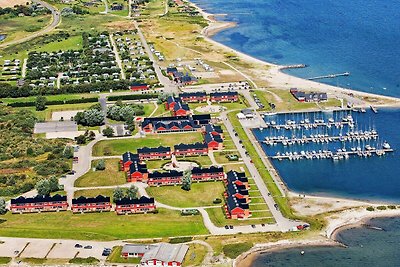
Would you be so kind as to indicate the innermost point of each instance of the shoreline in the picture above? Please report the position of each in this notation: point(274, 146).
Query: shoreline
point(247, 258)
point(279, 79)
point(354, 216)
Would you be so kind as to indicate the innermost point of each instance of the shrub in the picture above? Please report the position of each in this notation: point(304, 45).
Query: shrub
point(381, 207)
point(234, 250)
point(101, 165)
point(370, 209)
point(217, 201)
point(90, 260)
point(392, 207)
point(183, 239)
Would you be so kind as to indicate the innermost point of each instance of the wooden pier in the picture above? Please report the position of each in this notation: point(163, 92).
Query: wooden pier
point(329, 76)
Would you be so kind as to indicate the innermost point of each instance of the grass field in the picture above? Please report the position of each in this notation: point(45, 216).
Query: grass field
point(104, 226)
point(19, 27)
point(201, 194)
point(118, 147)
point(49, 98)
point(195, 255)
point(235, 167)
point(110, 176)
point(221, 158)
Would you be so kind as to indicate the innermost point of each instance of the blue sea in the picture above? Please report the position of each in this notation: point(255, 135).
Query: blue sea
point(330, 36)
point(366, 247)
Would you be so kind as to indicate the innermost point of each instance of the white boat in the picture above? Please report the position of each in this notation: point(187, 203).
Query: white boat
point(386, 145)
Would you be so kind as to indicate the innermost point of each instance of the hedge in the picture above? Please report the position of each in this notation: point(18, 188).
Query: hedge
point(131, 97)
point(55, 102)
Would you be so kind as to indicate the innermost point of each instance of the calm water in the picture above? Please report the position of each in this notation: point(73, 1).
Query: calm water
point(331, 36)
point(360, 178)
point(365, 248)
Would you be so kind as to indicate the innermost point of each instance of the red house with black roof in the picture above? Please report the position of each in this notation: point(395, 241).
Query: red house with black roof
point(149, 153)
point(214, 142)
point(38, 204)
point(181, 109)
point(237, 208)
point(228, 96)
point(201, 119)
point(134, 205)
point(187, 150)
point(127, 159)
point(213, 129)
point(193, 97)
point(91, 204)
point(165, 178)
point(171, 102)
point(238, 178)
point(208, 174)
point(139, 87)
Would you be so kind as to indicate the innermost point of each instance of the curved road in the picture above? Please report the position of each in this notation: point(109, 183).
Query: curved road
point(56, 20)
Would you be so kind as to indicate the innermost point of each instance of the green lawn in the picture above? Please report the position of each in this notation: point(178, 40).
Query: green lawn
point(156, 164)
point(100, 226)
point(72, 43)
point(236, 167)
point(115, 257)
point(221, 158)
point(4, 260)
point(118, 147)
point(201, 194)
point(202, 160)
point(195, 255)
point(110, 176)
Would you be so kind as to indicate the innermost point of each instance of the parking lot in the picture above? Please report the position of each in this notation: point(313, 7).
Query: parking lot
point(55, 126)
point(52, 248)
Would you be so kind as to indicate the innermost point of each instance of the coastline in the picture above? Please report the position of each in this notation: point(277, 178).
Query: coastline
point(279, 79)
point(353, 213)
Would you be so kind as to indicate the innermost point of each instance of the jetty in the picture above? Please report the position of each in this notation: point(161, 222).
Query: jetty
point(296, 66)
point(374, 109)
point(327, 154)
point(291, 125)
point(321, 138)
point(329, 76)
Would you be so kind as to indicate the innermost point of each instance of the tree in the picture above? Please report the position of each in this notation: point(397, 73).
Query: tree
point(3, 207)
point(43, 187)
point(101, 165)
point(109, 132)
point(40, 103)
point(118, 194)
point(80, 139)
point(68, 152)
point(91, 117)
point(132, 192)
point(187, 180)
point(53, 184)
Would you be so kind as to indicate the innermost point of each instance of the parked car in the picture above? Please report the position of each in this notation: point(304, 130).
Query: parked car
point(226, 227)
point(88, 247)
point(78, 246)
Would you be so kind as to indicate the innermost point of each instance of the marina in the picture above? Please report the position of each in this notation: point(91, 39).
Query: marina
point(331, 152)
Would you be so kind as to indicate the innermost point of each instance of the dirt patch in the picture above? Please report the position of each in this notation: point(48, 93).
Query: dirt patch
point(12, 3)
point(119, 25)
point(11, 171)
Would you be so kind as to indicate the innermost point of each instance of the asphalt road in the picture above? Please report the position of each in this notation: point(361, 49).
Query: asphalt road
point(56, 20)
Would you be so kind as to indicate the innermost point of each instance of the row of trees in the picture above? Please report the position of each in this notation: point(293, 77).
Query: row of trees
point(8, 90)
